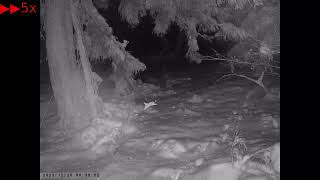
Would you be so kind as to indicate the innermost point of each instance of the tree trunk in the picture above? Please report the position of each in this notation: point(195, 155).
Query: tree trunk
point(67, 75)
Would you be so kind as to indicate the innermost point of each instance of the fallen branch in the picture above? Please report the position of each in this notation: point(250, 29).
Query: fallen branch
point(258, 81)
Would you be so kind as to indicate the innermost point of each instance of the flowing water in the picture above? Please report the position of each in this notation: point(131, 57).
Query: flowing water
point(189, 129)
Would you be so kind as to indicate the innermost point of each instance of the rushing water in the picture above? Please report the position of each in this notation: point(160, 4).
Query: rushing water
point(199, 112)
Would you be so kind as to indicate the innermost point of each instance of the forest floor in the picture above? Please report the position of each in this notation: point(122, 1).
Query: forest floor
point(197, 123)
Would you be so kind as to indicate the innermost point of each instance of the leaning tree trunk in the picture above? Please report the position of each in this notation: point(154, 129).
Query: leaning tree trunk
point(70, 72)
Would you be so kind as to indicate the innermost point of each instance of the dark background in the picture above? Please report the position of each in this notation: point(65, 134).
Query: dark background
point(19, 41)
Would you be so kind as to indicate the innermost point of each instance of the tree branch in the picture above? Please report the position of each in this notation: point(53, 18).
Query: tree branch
point(210, 58)
point(258, 81)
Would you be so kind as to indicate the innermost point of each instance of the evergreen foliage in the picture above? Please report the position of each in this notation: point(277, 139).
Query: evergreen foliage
point(196, 18)
point(236, 20)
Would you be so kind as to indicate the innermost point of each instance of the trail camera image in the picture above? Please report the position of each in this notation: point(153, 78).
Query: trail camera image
point(160, 90)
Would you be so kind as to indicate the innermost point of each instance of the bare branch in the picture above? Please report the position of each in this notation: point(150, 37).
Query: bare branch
point(258, 81)
point(210, 58)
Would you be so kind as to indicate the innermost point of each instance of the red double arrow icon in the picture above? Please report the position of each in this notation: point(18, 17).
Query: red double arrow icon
point(12, 9)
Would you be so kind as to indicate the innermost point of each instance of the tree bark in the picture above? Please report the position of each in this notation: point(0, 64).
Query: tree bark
point(66, 70)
